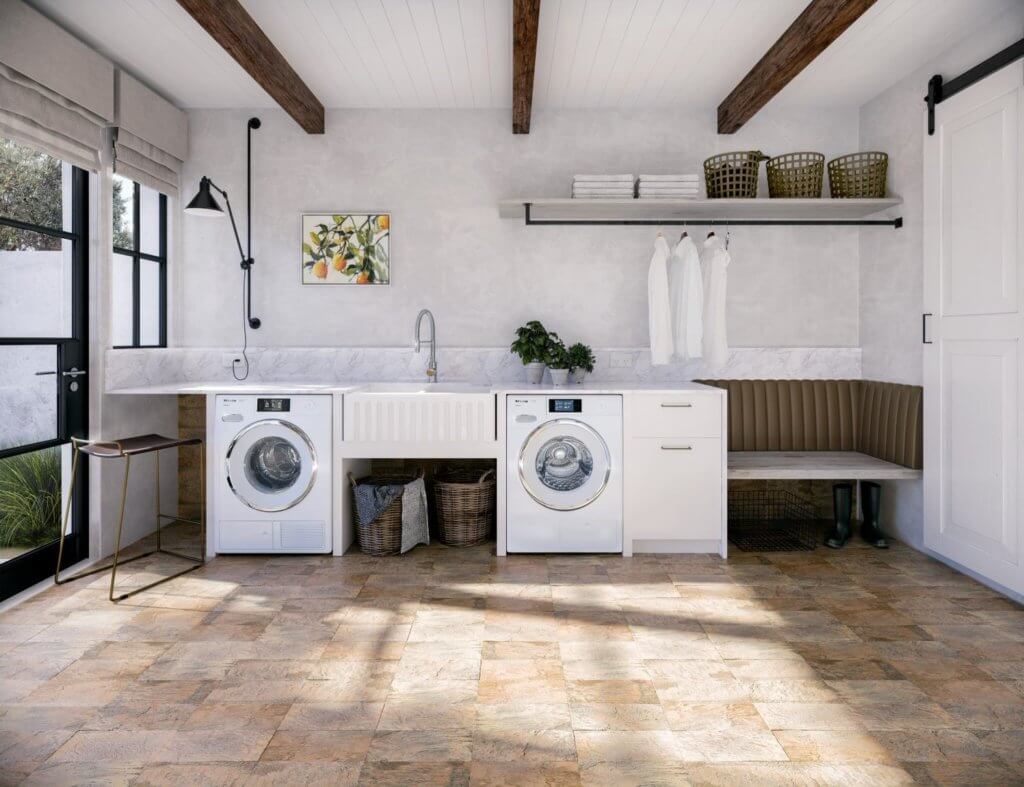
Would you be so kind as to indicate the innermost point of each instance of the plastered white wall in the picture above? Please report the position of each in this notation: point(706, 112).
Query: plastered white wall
point(441, 174)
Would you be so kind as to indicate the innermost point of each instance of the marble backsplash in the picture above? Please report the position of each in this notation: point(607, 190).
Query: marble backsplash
point(131, 368)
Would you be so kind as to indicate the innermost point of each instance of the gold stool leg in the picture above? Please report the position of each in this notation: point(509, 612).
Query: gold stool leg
point(67, 515)
point(120, 525)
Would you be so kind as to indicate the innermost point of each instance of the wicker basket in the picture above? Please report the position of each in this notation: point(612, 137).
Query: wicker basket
point(733, 175)
point(858, 175)
point(382, 536)
point(795, 175)
point(465, 506)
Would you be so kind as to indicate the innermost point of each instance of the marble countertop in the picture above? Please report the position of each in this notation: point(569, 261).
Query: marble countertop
point(230, 387)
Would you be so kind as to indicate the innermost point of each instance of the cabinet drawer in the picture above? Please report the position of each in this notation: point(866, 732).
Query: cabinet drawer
point(674, 489)
point(676, 414)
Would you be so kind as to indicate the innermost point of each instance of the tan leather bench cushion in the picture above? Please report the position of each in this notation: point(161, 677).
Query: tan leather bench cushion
point(882, 420)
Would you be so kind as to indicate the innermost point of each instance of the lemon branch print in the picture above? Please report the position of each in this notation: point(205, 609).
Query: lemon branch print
point(346, 249)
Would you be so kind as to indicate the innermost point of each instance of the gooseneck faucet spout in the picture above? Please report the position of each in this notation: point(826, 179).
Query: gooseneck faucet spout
point(432, 362)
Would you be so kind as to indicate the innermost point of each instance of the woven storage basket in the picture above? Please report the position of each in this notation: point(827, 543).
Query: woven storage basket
point(382, 536)
point(858, 175)
point(795, 175)
point(465, 506)
point(733, 175)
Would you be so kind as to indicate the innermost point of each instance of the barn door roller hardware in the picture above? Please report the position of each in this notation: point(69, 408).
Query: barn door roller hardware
point(939, 91)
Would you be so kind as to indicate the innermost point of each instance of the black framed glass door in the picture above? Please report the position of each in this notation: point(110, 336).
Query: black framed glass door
point(43, 362)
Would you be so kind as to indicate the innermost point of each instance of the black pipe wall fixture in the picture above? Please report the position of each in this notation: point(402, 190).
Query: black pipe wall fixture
point(205, 204)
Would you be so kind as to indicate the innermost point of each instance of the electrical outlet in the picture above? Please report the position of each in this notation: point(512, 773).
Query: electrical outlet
point(227, 360)
point(621, 360)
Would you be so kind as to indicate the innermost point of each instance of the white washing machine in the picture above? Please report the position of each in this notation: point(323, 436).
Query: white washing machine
point(273, 474)
point(564, 465)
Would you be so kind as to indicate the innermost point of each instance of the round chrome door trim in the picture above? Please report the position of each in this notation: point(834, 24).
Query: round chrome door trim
point(585, 428)
point(298, 433)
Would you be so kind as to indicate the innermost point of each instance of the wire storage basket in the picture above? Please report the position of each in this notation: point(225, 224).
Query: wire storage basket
point(858, 175)
point(793, 175)
point(465, 505)
point(771, 520)
point(383, 535)
point(733, 175)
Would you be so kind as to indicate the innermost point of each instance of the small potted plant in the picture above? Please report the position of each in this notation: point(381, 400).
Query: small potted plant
point(581, 362)
point(558, 362)
point(532, 346)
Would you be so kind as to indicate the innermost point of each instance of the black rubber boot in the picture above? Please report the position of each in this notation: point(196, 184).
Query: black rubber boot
point(842, 505)
point(871, 503)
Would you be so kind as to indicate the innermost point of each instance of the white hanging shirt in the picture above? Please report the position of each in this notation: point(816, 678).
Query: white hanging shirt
point(686, 294)
point(714, 261)
point(659, 307)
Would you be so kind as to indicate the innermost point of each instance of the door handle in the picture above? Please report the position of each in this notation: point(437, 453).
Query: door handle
point(680, 404)
point(924, 328)
point(73, 372)
point(677, 448)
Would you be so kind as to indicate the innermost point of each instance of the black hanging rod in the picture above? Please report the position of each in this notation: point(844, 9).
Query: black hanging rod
point(939, 91)
point(896, 223)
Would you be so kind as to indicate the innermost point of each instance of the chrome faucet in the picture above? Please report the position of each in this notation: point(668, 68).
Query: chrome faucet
point(432, 363)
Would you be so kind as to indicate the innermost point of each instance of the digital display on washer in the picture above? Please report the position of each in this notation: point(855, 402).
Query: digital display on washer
point(273, 405)
point(565, 405)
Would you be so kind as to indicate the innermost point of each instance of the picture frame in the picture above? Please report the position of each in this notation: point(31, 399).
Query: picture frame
point(346, 248)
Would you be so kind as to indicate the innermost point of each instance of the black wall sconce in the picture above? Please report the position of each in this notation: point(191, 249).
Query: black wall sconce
point(205, 204)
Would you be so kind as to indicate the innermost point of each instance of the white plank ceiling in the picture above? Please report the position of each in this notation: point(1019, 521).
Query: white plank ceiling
point(457, 53)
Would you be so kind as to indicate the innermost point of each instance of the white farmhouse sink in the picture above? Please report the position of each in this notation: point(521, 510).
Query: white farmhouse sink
point(418, 413)
point(423, 388)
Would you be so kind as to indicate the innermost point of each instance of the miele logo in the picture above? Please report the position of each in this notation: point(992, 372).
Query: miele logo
point(521, 401)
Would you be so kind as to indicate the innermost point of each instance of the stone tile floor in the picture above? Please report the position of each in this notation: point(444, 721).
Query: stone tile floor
point(452, 666)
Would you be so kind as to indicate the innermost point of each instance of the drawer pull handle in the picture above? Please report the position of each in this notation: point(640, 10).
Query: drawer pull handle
point(679, 404)
point(677, 448)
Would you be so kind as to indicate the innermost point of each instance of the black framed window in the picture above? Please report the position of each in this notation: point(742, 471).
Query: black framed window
point(139, 283)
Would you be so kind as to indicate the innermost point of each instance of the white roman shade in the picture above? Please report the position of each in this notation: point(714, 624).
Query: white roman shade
point(150, 138)
point(56, 93)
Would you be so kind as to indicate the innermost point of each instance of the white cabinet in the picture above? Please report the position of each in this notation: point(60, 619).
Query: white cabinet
point(675, 473)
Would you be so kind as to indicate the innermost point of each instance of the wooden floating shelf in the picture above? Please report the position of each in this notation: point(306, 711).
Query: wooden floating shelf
point(565, 211)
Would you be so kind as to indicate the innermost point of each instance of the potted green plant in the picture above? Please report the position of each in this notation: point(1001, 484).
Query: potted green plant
point(581, 362)
point(532, 345)
point(558, 362)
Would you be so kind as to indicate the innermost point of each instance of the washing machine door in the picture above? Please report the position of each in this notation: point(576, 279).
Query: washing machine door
point(564, 464)
point(271, 465)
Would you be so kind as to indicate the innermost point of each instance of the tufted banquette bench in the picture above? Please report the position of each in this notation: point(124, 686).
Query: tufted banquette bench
point(833, 429)
point(843, 430)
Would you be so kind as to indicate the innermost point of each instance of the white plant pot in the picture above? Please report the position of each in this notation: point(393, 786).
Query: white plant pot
point(579, 376)
point(559, 376)
point(535, 372)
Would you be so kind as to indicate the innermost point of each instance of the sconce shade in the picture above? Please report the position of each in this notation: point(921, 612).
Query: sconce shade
point(203, 203)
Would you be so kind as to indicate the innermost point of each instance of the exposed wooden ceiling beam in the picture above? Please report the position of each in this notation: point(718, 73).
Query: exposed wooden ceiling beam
point(821, 23)
point(232, 27)
point(525, 18)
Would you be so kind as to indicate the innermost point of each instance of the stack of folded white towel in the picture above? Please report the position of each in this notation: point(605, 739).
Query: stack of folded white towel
point(602, 186)
point(669, 187)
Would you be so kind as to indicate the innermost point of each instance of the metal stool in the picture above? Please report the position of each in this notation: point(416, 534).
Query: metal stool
point(126, 449)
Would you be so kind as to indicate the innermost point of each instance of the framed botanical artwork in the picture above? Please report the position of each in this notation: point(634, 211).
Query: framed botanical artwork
point(346, 248)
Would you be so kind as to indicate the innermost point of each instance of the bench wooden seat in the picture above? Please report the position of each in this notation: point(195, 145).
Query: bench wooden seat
point(828, 465)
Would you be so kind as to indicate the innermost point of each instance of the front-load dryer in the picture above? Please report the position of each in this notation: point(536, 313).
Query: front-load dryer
point(273, 474)
point(564, 465)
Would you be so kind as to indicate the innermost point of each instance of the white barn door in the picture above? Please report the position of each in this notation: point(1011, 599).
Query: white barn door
point(973, 367)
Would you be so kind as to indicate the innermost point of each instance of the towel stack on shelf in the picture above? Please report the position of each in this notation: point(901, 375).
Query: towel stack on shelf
point(602, 187)
point(669, 187)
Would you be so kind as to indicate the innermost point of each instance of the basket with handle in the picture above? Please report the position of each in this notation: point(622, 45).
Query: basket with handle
point(733, 175)
point(858, 175)
point(795, 175)
point(383, 535)
point(465, 505)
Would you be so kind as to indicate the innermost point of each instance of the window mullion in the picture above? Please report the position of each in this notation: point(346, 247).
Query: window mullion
point(136, 266)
